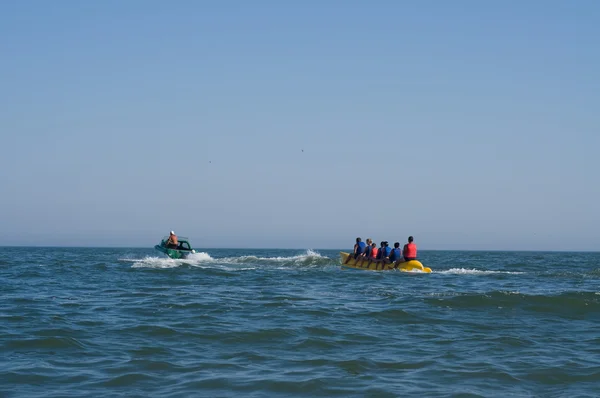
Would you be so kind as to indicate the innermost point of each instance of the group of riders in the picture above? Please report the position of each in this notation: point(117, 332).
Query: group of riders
point(368, 253)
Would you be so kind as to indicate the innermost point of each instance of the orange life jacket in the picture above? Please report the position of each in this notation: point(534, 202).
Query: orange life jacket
point(410, 250)
point(374, 252)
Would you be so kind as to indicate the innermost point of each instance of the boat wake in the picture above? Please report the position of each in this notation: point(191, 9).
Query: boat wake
point(310, 259)
point(203, 260)
point(307, 259)
point(465, 271)
point(162, 262)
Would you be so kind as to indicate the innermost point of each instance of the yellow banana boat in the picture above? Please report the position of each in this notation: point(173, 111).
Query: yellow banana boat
point(363, 263)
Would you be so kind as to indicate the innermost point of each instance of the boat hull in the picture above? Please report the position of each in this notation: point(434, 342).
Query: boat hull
point(407, 266)
point(173, 253)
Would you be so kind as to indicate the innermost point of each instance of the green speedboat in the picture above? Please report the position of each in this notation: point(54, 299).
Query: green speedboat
point(183, 249)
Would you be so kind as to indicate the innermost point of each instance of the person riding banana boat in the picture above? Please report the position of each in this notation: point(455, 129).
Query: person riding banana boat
point(359, 248)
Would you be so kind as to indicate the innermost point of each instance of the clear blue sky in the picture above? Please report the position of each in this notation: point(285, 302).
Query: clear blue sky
point(468, 124)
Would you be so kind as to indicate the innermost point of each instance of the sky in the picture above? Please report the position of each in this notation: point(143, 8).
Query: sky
point(470, 125)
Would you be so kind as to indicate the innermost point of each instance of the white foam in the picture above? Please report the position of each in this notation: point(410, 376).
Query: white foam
point(242, 263)
point(309, 254)
point(197, 257)
point(155, 262)
point(162, 262)
point(413, 271)
point(465, 271)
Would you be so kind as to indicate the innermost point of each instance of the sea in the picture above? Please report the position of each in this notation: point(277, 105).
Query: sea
point(104, 322)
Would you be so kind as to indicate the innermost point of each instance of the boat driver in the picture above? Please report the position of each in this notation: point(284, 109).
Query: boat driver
point(172, 241)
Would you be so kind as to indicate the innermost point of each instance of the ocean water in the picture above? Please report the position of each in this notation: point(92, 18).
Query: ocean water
point(77, 322)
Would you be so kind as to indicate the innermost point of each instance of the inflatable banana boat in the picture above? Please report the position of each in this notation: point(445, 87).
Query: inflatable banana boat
point(363, 263)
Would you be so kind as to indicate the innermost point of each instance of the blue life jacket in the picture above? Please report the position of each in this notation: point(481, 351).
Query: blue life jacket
point(368, 251)
point(387, 250)
point(361, 247)
point(395, 255)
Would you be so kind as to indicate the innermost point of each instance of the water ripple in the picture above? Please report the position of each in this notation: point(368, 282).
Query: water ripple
point(126, 322)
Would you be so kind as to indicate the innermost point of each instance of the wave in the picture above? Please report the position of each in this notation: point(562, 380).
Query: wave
point(566, 304)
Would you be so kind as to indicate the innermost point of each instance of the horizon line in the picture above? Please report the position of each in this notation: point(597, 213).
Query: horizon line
point(292, 248)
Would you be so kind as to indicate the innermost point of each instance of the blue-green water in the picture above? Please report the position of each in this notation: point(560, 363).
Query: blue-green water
point(80, 322)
